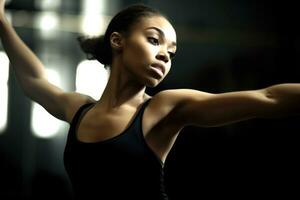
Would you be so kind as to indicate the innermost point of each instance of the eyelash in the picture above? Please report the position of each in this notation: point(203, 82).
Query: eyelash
point(155, 41)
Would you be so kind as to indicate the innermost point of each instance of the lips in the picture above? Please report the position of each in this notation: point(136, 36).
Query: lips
point(159, 68)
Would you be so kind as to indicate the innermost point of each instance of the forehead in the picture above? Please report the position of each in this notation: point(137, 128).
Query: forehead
point(158, 22)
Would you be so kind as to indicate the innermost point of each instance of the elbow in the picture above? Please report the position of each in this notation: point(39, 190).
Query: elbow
point(281, 103)
point(269, 95)
point(269, 99)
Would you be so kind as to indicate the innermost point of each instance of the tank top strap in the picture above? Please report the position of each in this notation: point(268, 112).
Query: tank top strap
point(144, 105)
point(140, 113)
point(79, 114)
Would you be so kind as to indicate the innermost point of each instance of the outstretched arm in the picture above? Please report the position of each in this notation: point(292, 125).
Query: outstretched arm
point(31, 74)
point(205, 109)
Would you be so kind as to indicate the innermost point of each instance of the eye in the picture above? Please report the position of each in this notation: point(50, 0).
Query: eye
point(153, 40)
point(172, 55)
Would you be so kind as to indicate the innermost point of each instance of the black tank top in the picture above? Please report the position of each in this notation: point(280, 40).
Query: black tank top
point(123, 167)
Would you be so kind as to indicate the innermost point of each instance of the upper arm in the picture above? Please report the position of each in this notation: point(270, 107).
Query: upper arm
point(58, 103)
point(194, 107)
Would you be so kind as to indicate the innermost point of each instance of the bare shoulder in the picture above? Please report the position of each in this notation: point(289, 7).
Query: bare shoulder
point(72, 102)
point(170, 101)
point(175, 97)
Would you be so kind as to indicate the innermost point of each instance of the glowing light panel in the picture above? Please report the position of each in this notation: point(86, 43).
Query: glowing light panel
point(4, 69)
point(48, 23)
point(43, 124)
point(91, 78)
point(93, 22)
point(48, 4)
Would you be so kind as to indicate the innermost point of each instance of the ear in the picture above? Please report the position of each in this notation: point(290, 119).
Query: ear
point(116, 40)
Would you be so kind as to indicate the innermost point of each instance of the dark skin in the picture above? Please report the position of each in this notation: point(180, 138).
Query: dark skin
point(143, 58)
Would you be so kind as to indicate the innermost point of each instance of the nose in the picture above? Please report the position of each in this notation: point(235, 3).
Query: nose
point(163, 57)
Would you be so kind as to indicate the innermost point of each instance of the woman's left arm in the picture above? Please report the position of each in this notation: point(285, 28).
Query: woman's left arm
point(198, 108)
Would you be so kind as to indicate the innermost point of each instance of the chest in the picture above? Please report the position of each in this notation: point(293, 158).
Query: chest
point(100, 126)
point(157, 130)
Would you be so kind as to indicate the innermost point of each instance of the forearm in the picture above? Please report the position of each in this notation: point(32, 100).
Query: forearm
point(286, 98)
point(25, 64)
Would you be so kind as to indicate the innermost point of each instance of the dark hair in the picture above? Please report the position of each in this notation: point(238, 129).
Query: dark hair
point(99, 47)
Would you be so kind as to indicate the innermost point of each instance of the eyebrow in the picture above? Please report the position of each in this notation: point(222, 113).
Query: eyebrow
point(161, 33)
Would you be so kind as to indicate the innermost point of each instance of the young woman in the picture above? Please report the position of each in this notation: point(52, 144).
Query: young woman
point(117, 146)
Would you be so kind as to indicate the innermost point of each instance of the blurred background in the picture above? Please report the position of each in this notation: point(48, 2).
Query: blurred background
point(222, 46)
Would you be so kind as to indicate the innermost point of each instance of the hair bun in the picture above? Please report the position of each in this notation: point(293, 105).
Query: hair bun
point(95, 49)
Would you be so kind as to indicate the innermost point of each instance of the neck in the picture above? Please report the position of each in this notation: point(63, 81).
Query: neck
point(122, 89)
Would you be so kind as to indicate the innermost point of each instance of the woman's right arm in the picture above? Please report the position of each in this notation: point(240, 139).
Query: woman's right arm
point(31, 75)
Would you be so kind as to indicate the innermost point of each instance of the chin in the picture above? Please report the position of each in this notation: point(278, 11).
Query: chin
point(152, 83)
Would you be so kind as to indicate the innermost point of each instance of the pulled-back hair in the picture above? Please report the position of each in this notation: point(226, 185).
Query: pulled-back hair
point(99, 48)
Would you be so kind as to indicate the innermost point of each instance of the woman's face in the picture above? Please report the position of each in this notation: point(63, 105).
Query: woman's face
point(148, 49)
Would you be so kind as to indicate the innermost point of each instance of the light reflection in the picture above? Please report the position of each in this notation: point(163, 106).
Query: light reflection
point(4, 69)
point(48, 4)
point(43, 124)
point(92, 25)
point(93, 22)
point(91, 78)
point(48, 23)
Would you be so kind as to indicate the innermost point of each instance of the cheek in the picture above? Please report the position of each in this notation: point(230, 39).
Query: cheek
point(168, 68)
point(138, 54)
